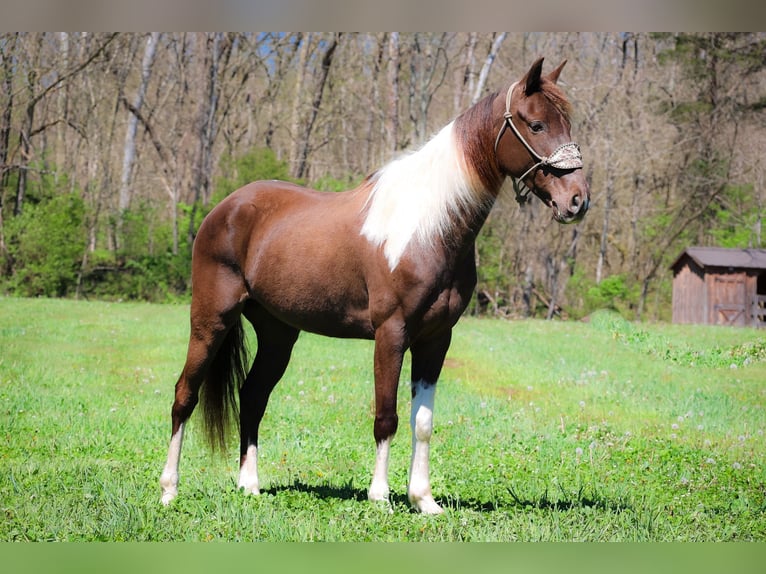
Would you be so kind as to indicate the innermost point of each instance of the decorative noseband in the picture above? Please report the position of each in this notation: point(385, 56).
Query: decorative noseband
point(565, 157)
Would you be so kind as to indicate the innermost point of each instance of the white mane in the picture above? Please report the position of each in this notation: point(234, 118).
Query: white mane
point(416, 197)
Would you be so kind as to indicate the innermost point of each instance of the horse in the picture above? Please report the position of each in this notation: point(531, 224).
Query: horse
point(392, 260)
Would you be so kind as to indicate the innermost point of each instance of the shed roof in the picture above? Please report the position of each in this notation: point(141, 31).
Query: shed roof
point(723, 257)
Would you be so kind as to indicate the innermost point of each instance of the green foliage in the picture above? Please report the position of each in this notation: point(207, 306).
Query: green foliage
point(145, 277)
point(734, 225)
point(46, 244)
point(328, 183)
point(614, 292)
point(144, 267)
point(696, 51)
point(607, 293)
point(492, 273)
point(259, 163)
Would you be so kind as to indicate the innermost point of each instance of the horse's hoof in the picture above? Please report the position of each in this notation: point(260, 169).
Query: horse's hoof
point(249, 487)
point(427, 505)
point(167, 497)
point(250, 491)
point(378, 493)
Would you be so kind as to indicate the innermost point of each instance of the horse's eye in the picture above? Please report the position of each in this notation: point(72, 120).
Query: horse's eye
point(537, 127)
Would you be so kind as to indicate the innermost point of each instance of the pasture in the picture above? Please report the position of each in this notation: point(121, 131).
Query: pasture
point(544, 431)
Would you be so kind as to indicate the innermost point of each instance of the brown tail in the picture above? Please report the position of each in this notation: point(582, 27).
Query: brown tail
point(218, 396)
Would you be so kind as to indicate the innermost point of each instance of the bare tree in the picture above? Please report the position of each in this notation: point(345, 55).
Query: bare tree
point(392, 80)
point(129, 153)
point(429, 64)
point(466, 75)
point(35, 92)
point(298, 99)
point(7, 51)
point(485, 69)
point(319, 88)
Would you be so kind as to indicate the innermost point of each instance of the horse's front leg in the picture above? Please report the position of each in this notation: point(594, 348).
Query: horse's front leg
point(427, 361)
point(390, 344)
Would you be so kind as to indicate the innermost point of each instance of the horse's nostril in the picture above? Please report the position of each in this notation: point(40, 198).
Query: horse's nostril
point(578, 206)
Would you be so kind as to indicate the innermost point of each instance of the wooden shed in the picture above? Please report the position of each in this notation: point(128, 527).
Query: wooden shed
point(717, 286)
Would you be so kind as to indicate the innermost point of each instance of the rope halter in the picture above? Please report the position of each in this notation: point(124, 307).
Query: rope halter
point(566, 157)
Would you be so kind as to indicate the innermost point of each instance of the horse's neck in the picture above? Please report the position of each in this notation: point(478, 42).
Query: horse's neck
point(432, 195)
point(475, 132)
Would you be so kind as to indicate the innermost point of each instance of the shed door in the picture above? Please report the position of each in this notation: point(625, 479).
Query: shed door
point(730, 299)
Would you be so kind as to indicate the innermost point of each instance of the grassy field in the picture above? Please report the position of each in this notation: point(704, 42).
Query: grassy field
point(544, 431)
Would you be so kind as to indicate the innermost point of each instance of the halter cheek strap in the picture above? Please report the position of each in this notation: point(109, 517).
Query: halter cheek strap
point(565, 157)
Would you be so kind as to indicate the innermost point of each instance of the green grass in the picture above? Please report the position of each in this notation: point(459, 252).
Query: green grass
point(543, 431)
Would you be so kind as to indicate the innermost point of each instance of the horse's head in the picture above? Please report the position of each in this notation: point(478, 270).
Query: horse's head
point(534, 146)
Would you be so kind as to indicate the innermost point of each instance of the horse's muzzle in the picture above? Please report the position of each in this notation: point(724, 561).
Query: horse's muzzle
point(572, 213)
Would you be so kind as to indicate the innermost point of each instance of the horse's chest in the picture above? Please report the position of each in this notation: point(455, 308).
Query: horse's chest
point(439, 295)
point(449, 304)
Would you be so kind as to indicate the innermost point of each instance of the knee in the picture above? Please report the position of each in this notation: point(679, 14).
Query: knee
point(385, 426)
point(423, 424)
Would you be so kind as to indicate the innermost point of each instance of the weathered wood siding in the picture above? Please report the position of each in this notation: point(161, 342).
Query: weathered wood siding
point(689, 298)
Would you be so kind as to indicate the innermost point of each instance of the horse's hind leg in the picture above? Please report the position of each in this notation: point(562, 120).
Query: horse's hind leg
point(212, 318)
point(275, 344)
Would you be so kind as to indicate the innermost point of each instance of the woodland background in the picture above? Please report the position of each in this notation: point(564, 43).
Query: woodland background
point(114, 146)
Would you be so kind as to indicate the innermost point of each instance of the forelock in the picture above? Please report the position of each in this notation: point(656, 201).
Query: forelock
point(555, 96)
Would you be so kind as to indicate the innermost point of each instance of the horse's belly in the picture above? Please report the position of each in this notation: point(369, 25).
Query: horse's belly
point(352, 324)
point(322, 305)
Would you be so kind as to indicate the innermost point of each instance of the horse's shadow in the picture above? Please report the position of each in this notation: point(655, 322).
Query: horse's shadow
point(327, 491)
point(324, 491)
point(570, 502)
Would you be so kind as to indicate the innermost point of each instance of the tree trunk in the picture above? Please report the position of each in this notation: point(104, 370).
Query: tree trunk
point(214, 51)
point(296, 132)
point(374, 102)
point(25, 131)
point(609, 190)
point(485, 69)
point(303, 150)
point(392, 77)
point(467, 79)
point(7, 58)
point(426, 53)
point(129, 150)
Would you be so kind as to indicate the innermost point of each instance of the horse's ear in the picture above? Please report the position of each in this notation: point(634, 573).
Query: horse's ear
point(554, 75)
point(531, 81)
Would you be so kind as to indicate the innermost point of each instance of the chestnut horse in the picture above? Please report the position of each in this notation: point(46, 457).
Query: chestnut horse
point(392, 260)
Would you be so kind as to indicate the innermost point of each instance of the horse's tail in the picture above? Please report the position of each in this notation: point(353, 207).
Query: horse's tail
point(218, 395)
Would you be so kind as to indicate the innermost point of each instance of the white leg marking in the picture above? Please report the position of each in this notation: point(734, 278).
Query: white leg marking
point(169, 477)
point(421, 421)
point(379, 485)
point(248, 472)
